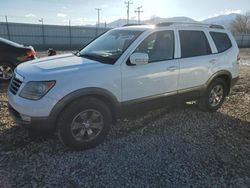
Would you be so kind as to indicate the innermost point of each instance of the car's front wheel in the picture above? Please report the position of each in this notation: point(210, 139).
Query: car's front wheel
point(84, 124)
point(214, 96)
point(6, 71)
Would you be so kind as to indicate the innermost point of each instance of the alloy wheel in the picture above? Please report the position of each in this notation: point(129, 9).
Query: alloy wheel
point(6, 72)
point(87, 125)
point(216, 95)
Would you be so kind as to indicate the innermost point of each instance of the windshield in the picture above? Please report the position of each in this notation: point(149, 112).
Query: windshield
point(110, 46)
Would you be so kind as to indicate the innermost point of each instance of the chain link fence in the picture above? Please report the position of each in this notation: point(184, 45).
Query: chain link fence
point(60, 33)
point(243, 40)
point(43, 34)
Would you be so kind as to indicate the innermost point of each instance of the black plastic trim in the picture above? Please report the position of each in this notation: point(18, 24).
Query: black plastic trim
point(92, 91)
point(118, 109)
point(43, 124)
point(49, 123)
point(217, 74)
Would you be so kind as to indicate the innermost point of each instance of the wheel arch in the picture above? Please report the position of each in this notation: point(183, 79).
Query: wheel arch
point(106, 96)
point(9, 60)
point(11, 63)
point(223, 74)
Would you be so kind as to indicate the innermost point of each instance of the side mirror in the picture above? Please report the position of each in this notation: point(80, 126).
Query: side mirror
point(139, 59)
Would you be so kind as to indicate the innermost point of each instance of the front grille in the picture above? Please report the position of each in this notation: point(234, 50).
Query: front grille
point(15, 85)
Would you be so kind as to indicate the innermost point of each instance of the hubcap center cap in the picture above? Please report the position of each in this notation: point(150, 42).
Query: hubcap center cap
point(87, 125)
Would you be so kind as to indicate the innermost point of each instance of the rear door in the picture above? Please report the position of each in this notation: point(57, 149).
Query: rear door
point(196, 59)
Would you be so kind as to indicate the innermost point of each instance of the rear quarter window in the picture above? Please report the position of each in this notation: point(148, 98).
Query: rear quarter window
point(193, 43)
point(221, 40)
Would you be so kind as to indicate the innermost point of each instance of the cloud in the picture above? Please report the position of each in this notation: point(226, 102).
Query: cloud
point(226, 12)
point(30, 16)
point(232, 11)
point(61, 15)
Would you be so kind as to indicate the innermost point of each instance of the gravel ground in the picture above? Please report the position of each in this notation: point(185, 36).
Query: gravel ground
point(181, 147)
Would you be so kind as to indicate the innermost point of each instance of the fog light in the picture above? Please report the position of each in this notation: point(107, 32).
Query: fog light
point(25, 117)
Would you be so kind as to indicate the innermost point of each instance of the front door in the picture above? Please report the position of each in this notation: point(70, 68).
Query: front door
point(157, 78)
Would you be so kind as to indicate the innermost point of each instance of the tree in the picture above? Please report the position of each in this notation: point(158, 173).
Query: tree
point(241, 24)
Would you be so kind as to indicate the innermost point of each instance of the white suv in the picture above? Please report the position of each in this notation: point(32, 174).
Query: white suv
point(122, 72)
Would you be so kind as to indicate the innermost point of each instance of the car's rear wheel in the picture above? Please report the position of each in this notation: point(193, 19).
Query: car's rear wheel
point(6, 71)
point(214, 96)
point(84, 124)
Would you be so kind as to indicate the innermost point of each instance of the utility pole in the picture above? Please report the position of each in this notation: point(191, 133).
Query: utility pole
point(127, 3)
point(43, 33)
point(138, 11)
point(7, 27)
point(70, 39)
point(98, 13)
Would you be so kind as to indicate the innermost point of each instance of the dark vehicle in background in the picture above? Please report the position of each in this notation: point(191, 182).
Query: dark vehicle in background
point(11, 55)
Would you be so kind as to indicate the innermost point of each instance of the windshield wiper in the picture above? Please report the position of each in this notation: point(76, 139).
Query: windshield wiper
point(77, 53)
point(89, 56)
point(96, 57)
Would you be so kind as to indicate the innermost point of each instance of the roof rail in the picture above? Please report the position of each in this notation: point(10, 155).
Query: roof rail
point(127, 25)
point(162, 24)
point(165, 24)
point(217, 26)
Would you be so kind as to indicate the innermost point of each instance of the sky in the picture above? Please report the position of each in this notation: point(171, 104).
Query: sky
point(83, 11)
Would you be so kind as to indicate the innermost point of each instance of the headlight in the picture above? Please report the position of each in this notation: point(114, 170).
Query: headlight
point(36, 90)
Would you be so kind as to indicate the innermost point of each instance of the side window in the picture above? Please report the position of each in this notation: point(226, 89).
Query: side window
point(221, 40)
point(194, 43)
point(159, 46)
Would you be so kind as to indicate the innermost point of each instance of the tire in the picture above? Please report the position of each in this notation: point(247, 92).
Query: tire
point(6, 67)
point(78, 118)
point(210, 103)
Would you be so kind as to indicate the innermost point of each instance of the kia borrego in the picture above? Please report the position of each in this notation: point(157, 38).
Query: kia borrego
point(127, 69)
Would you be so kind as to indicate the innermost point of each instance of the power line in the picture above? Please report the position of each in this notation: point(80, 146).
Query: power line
point(127, 3)
point(138, 11)
point(98, 14)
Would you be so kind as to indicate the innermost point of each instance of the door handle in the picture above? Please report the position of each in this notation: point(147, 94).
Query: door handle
point(213, 61)
point(172, 68)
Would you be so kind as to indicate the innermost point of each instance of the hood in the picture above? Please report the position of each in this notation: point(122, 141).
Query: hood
point(56, 65)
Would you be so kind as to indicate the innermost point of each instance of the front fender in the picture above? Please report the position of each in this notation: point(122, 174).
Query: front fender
point(101, 93)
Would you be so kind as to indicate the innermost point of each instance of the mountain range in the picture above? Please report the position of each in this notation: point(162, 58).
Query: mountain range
point(224, 20)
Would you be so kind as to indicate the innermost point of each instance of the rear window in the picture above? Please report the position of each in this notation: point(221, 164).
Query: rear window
point(221, 40)
point(194, 43)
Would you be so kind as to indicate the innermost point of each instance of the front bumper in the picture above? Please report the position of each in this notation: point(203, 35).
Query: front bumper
point(44, 124)
point(34, 115)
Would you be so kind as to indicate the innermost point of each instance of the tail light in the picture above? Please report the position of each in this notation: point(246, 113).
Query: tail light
point(31, 53)
point(238, 59)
